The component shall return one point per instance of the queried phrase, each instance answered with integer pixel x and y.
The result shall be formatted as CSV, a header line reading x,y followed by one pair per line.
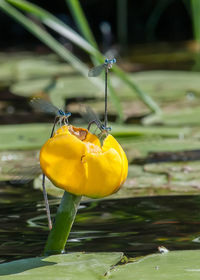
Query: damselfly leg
x,y
60,117
91,117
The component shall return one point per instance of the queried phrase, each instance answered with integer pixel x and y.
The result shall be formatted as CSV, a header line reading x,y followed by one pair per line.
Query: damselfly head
x,y
109,62
68,114
106,128
97,70
61,113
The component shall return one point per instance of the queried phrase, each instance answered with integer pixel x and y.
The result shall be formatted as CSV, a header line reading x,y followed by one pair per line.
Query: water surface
x,y
136,226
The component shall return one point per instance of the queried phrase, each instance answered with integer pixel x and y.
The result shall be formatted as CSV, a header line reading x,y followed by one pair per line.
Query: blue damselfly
x,y
96,71
61,117
91,118
45,106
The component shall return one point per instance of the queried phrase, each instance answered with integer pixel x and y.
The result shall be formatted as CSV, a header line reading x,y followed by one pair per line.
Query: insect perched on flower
x,y
96,71
45,106
74,160
91,118
60,117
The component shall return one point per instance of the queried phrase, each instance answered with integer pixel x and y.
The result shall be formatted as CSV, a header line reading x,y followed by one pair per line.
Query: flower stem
x,y
63,222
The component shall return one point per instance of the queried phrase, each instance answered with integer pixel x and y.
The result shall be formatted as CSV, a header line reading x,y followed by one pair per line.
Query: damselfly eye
x,y
68,114
106,60
114,60
61,113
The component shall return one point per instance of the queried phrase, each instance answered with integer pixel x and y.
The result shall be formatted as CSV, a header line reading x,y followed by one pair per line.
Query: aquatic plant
x,y
74,160
87,45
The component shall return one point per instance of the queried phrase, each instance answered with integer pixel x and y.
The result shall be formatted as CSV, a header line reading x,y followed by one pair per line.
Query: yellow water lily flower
x,y
74,160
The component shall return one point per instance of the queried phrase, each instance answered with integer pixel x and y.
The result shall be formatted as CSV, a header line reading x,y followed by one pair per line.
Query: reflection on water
x,y
136,226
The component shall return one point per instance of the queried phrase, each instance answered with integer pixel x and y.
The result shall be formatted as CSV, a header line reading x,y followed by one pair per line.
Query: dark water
x,y
136,226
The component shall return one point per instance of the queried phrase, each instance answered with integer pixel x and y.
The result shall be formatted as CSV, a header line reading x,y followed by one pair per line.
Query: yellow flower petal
x,y
74,160
103,173
111,142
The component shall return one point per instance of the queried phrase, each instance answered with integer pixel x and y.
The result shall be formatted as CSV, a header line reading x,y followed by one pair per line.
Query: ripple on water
x,y
136,226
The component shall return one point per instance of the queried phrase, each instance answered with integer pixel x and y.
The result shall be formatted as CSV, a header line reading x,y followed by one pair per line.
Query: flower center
x,y
79,133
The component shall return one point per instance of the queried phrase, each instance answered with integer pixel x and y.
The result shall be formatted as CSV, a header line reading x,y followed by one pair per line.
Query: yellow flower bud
x,y
74,160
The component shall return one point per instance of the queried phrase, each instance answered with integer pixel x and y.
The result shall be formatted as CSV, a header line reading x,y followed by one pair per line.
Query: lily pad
x,y
33,136
66,87
170,265
24,65
61,267
167,266
19,165
167,86
24,136
185,116
138,149
161,179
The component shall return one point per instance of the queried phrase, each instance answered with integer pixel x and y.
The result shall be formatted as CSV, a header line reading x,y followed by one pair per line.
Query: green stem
x,y
63,222
195,9
81,21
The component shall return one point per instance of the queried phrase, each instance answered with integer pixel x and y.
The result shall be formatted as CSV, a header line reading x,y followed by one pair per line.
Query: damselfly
x,y
96,71
45,106
62,118
91,117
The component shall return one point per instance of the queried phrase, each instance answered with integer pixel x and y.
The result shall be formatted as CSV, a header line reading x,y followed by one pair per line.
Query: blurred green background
x,y
153,104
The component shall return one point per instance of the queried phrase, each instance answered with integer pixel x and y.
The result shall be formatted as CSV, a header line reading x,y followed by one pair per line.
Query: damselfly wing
x,y
97,70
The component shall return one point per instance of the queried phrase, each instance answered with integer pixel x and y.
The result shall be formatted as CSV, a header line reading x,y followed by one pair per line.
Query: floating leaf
x,y
24,136
33,136
173,265
61,267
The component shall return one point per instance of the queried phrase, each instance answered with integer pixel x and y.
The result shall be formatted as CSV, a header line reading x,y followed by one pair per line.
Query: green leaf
x,y
139,148
175,265
81,21
33,136
47,39
19,165
61,267
24,136
71,87
167,86
195,10
187,116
